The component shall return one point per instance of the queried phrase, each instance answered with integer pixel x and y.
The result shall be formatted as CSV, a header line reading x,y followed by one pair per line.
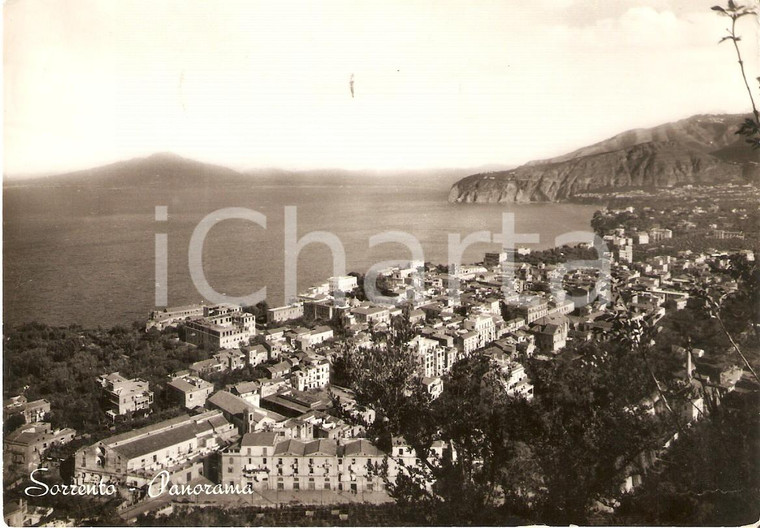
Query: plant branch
x,y
735,40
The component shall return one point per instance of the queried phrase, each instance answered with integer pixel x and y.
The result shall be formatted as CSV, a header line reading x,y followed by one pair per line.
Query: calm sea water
x,y
87,256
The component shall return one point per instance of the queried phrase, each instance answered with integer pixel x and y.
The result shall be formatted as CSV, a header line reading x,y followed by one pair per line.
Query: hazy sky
x,y
437,83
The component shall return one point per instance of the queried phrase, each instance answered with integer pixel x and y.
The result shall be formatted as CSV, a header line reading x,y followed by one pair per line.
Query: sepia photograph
x,y
381,263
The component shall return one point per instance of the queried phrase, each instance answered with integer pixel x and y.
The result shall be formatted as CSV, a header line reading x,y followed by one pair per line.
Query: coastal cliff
x,y
698,150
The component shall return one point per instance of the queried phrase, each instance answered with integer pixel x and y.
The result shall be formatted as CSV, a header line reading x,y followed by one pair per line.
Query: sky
x,y
250,84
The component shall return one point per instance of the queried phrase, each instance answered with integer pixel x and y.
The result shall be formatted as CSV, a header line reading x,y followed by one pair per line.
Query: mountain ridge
x,y
701,149
168,170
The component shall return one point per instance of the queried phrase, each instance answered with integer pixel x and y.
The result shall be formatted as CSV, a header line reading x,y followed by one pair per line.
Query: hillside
x,y
698,150
158,170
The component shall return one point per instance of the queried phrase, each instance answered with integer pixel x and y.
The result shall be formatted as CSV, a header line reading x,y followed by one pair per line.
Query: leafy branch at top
x,y
750,128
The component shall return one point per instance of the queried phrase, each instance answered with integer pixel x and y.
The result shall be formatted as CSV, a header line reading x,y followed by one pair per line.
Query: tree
x,y
710,477
545,460
593,425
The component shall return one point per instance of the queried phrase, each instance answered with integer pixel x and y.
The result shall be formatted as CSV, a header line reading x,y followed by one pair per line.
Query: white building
x,y
311,373
344,283
222,326
485,327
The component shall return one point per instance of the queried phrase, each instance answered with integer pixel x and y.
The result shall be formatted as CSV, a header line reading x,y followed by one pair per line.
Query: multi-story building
x,y
467,341
266,461
551,333
624,253
122,396
641,237
222,326
25,446
371,314
434,360
484,325
323,309
231,359
530,310
307,340
346,283
178,446
311,373
250,391
656,234
32,411
191,391
239,411
257,355
722,234
171,316
285,313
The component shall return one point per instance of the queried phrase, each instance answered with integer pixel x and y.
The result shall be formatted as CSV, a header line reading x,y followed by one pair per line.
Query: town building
x,y
257,354
167,317
191,391
467,341
309,339
32,411
178,446
289,312
24,447
656,234
371,314
222,326
311,373
433,359
245,416
529,309
265,461
485,327
121,396
346,283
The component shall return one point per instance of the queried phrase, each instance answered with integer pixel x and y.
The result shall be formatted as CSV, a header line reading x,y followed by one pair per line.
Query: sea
x,y
87,256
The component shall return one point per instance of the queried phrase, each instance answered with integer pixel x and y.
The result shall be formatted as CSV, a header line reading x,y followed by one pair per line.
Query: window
x,y
296,486
229,469
264,460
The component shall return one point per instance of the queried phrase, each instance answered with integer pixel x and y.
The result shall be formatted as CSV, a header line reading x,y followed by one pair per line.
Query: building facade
x,y
121,396
177,446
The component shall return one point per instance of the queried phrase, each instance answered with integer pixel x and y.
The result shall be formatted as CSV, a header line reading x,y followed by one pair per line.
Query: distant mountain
x,y
158,170
702,149
169,171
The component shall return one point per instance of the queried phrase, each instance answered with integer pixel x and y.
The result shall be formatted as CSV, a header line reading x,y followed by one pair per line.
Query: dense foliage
x,y
61,365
